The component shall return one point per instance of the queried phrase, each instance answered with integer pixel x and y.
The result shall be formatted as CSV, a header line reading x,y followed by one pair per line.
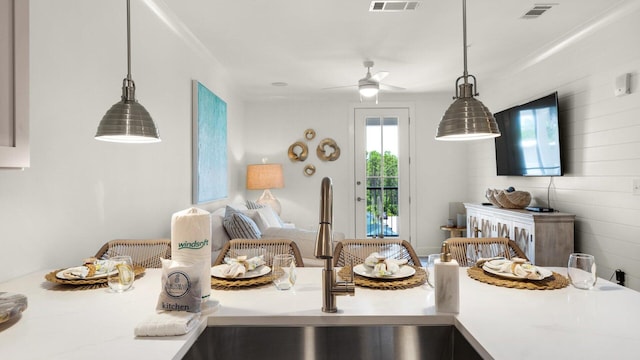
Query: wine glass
x,y
582,270
120,273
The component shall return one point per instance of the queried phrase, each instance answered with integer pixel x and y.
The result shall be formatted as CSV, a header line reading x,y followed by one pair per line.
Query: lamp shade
x,y
127,121
467,119
264,176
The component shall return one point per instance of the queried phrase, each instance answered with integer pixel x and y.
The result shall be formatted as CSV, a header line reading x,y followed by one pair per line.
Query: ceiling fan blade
x,y
390,87
339,87
379,76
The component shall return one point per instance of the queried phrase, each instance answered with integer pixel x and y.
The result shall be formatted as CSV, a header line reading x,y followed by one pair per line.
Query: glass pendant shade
x,y
369,90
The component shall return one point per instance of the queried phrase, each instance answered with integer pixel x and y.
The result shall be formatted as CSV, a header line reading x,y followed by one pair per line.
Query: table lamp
x,y
265,177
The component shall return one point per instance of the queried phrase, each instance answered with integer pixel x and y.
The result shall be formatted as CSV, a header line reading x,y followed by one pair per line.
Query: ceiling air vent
x,y
537,10
389,6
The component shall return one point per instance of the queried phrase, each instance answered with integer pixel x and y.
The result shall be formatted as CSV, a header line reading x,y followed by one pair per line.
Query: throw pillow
x,y
239,225
252,205
219,235
269,217
260,221
263,215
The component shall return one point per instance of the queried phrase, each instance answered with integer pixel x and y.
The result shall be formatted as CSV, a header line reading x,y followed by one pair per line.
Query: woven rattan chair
x,y
252,247
468,250
145,253
354,251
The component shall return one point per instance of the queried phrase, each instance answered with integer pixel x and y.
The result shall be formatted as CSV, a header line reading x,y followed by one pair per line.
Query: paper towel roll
x,y
191,242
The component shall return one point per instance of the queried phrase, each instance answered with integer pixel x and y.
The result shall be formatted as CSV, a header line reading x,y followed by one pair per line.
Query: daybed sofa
x,y
238,221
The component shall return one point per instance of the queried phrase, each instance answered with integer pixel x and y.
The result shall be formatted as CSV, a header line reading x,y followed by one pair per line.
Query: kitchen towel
x,y
191,242
168,323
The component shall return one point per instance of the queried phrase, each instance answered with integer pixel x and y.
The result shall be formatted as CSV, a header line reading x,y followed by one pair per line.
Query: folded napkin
x,y
383,266
237,267
98,267
480,262
167,323
516,266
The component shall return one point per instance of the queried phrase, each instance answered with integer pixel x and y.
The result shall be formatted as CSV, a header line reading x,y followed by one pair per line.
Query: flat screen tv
x,y
530,140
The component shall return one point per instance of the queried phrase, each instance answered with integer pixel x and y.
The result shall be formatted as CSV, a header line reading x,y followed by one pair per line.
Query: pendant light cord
x,y
128,39
464,38
128,85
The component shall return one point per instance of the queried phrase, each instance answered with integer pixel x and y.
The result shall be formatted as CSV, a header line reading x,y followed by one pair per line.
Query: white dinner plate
x,y
67,274
544,272
218,271
404,272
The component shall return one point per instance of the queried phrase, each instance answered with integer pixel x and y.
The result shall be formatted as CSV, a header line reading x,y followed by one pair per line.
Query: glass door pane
x,y
382,188
382,176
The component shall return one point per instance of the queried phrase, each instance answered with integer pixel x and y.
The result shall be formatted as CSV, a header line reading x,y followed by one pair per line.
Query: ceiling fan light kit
x,y
467,118
370,85
369,89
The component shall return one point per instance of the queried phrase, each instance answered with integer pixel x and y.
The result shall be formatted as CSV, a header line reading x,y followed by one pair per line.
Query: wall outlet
x,y
622,85
620,277
636,186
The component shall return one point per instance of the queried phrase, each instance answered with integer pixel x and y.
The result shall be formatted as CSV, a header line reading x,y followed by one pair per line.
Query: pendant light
x,y
467,118
128,121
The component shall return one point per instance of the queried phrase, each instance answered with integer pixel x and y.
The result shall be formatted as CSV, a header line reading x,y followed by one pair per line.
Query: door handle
x,y
359,198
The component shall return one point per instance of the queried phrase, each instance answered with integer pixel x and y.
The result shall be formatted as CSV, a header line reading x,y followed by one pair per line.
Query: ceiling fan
x,y
370,85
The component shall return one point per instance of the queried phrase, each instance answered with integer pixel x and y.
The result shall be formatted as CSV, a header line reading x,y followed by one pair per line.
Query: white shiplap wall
x,y
601,135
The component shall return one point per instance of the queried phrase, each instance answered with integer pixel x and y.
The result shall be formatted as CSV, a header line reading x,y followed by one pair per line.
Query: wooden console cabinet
x,y
546,238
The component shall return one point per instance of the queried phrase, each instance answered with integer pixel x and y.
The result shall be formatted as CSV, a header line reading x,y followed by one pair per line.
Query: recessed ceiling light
x,y
279,83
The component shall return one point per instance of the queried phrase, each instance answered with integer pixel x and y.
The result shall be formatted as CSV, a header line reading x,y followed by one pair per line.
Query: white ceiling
x,y
316,44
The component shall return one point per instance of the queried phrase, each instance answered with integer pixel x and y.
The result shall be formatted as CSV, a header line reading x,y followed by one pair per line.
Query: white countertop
x,y
500,322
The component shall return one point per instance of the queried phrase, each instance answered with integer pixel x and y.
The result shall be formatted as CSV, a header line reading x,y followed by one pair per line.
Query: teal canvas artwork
x,y
209,145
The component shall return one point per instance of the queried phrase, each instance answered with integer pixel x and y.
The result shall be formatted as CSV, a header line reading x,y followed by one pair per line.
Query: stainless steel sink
x,y
331,342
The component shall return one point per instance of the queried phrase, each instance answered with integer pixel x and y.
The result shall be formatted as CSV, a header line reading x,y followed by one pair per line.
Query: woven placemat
x,y
417,279
555,281
238,284
85,284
